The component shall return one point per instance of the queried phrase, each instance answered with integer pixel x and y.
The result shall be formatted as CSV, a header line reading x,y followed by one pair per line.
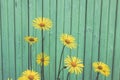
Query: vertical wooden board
x,y
1,74
82,5
74,25
89,31
32,30
5,51
59,29
46,14
11,38
67,25
111,31
1,70
35,34
52,39
116,63
95,41
74,29
1,61
24,33
116,56
18,38
103,35
38,32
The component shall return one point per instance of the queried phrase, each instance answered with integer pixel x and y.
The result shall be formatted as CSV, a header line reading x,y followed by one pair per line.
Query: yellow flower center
x,y
42,25
73,64
67,41
100,67
30,77
31,39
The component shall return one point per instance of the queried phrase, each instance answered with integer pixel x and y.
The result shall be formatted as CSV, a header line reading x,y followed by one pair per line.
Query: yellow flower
x,y
40,60
101,68
42,23
31,40
68,41
74,64
29,75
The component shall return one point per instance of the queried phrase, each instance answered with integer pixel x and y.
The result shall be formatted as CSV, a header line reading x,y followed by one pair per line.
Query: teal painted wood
x,y
103,32
11,39
24,33
88,39
82,6
46,13
5,50
32,30
59,29
116,65
38,33
111,33
96,29
89,21
53,41
18,38
67,26
74,28
38,13
0,44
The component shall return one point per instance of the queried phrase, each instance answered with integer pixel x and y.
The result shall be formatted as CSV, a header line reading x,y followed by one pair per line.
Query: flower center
x,y
73,64
42,25
42,59
67,41
31,39
100,67
30,77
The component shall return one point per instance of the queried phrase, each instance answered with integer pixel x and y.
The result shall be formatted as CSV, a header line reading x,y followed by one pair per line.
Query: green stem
x,y
68,76
97,76
62,69
60,63
30,57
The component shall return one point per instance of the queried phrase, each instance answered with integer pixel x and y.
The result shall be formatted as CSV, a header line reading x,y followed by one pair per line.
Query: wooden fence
x,y
94,23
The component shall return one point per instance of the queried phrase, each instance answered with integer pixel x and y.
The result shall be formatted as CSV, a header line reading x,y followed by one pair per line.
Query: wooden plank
x,y
82,6
53,41
103,33
46,14
11,39
111,31
38,33
18,38
24,25
5,51
95,41
88,41
1,74
59,30
32,30
74,29
67,25
1,67
116,63
1,70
